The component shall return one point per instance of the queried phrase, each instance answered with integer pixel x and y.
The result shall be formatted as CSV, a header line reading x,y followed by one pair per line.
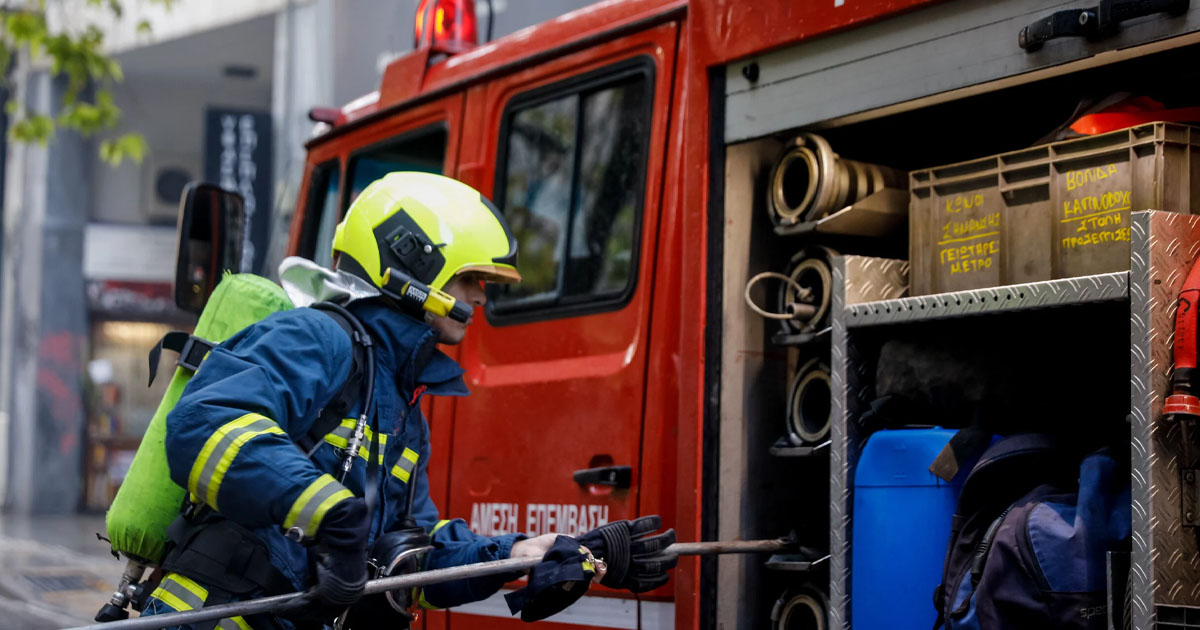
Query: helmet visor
x,y
493,273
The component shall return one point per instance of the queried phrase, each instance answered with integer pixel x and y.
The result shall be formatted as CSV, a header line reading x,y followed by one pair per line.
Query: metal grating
x,y
1178,618
1018,297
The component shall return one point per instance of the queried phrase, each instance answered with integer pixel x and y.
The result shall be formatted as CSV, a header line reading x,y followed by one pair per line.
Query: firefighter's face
x,y
468,288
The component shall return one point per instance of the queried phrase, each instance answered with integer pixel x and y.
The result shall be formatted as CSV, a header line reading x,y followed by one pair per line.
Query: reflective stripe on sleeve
x,y
408,463
204,481
421,601
312,504
233,623
180,593
424,603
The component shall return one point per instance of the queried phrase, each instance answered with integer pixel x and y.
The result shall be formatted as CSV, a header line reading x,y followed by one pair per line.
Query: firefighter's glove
x,y
633,552
341,567
562,577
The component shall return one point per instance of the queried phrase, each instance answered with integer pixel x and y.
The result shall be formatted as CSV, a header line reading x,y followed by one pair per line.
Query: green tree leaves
x,y
76,54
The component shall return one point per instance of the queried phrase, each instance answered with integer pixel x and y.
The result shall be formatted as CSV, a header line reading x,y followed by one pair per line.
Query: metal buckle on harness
x,y
295,534
190,508
185,353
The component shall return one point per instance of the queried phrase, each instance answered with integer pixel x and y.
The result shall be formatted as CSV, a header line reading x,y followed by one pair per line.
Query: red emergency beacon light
x,y
446,26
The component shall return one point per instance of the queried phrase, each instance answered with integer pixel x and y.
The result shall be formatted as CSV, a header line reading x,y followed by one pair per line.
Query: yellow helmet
x,y
427,226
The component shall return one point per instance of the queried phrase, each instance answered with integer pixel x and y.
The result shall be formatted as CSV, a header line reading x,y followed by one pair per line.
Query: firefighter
x,y
266,517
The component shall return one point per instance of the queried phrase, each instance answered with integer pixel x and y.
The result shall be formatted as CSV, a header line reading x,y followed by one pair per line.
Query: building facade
x,y
221,91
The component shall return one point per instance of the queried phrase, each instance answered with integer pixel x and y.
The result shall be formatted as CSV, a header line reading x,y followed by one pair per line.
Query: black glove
x,y
634,557
341,567
563,576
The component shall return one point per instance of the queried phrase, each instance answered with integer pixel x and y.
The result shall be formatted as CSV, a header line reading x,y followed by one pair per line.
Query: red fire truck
x,y
628,144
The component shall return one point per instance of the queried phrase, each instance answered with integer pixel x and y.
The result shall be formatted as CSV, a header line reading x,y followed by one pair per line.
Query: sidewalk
x,y
54,573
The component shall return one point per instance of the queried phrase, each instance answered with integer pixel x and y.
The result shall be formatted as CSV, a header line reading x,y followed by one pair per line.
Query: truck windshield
x,y
422,150
325,200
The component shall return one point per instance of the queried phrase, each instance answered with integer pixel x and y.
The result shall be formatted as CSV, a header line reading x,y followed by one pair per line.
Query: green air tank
x,y
148,500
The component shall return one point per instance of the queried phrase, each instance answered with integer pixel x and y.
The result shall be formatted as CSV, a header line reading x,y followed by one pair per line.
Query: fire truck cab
x,y
628,145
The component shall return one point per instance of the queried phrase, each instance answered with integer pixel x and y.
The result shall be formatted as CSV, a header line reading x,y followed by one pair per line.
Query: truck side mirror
x,y
212,229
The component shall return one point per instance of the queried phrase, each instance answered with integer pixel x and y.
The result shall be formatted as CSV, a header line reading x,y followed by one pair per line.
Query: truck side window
x,y
421,150
321,215
571,184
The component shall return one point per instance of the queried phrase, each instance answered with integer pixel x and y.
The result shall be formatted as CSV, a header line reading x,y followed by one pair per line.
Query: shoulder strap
x,y
1010,468
335,411
362,377
191,350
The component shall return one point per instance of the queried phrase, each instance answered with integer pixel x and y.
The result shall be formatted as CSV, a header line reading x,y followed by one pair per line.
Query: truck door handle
x,y
616,476
1099,21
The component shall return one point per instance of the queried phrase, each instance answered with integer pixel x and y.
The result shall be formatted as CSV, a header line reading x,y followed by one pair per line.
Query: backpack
x,y
1029,539
148,501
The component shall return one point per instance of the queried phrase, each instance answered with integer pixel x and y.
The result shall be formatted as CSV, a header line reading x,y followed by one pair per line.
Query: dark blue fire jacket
x,y
231,438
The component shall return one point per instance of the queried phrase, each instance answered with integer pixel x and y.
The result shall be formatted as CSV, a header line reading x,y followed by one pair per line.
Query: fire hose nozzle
x,y
799,310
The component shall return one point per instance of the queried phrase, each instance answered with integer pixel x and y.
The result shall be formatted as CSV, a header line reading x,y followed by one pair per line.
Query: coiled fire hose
x,y
810,404
803,300
805,608
810,181
422,578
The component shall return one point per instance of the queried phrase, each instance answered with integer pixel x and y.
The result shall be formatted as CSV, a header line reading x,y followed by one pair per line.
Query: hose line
x,y
796,309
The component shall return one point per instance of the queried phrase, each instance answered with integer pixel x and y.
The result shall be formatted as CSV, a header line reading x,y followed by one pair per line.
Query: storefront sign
x,y
141,253
133,300
237,156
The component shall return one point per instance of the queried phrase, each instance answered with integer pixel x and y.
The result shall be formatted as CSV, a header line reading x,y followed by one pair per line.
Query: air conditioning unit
x,y
163,179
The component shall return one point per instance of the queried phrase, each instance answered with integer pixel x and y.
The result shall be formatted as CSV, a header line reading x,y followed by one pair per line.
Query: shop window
x,y
120,405
571,185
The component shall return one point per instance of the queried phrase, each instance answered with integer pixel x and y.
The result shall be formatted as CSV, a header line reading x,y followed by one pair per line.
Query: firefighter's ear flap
x,y
212,231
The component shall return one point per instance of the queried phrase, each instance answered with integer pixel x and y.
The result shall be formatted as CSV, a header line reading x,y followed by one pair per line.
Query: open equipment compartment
x,y
968,117
1053,357
760,494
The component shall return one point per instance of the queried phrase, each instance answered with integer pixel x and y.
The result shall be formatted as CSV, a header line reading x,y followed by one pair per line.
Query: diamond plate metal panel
x,y
1141,579
1165,556
852,385
839,470
1016,297
872,279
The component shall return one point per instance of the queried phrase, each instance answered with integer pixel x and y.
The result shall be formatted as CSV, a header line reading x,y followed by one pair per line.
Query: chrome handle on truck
x,y
616,476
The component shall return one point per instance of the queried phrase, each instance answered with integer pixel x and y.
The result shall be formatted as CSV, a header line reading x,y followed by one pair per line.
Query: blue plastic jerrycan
x,y
902,515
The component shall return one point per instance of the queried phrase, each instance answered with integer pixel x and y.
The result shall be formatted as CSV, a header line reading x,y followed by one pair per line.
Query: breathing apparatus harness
x,y
396,552
232,561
